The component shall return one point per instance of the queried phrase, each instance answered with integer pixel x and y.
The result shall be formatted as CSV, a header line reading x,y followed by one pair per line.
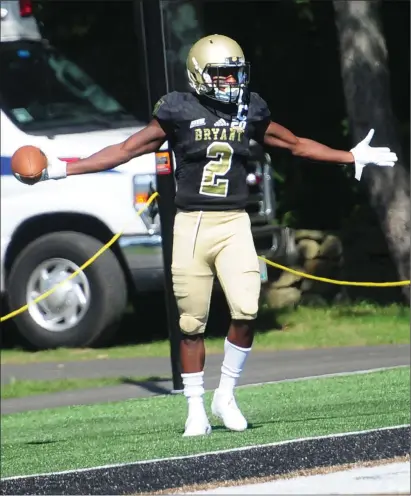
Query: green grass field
x,y
343,325
87,436
24,388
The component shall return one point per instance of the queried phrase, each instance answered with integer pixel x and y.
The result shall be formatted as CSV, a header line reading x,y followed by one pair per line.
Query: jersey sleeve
x,y
163,112
261,117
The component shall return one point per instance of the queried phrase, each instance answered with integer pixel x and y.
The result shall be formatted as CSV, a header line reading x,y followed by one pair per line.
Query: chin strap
x,y
242,105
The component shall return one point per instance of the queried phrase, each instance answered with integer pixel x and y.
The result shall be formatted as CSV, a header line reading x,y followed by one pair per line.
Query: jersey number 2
x,y
211,183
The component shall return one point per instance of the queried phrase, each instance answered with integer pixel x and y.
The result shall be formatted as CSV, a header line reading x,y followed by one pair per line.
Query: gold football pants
x,y
208,244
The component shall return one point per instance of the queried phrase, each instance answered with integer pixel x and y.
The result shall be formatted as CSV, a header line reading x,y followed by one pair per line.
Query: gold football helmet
x,y
216,67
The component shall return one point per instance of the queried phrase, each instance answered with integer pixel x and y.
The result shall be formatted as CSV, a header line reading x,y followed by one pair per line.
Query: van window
x,y
41,90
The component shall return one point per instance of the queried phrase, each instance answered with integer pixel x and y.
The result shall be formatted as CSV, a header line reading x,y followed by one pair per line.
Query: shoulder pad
x,y
258,108
168,106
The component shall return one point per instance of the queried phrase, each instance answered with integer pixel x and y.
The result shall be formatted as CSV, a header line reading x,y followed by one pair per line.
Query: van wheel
x,y
85,310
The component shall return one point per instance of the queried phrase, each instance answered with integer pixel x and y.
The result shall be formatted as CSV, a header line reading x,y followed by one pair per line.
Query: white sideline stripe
x,y
279,381
207,453
324,376
304,378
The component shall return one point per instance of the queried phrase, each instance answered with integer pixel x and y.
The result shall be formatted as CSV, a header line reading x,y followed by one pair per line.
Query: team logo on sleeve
x,y
157,106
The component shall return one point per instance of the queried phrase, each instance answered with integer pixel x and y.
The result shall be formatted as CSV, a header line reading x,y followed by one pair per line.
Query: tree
x,y
182,27
366,82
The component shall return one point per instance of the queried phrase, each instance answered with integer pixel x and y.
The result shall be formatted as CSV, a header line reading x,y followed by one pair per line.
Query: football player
x,y
209,129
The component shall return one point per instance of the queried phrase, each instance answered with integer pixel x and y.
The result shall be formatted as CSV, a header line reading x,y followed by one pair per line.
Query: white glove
x,y
56,169
366,155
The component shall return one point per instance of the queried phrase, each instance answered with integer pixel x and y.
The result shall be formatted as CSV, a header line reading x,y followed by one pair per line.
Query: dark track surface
x,y
218,467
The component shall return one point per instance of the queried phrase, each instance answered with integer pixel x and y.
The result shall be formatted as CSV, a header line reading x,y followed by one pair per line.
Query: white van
x,y
49,230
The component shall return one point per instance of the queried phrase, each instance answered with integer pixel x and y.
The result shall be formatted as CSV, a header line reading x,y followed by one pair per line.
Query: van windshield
x,y
41,90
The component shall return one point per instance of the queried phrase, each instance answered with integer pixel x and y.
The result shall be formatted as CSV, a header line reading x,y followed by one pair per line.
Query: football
x,y
28,164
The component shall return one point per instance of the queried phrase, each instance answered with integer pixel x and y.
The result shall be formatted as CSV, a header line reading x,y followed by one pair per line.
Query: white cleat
x,y
225,408
197,425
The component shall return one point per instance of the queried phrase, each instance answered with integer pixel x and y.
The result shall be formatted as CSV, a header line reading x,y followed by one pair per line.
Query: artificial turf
x,y
148,428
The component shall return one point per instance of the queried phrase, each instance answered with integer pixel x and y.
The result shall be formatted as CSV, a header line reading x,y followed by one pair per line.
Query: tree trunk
x,y
183,26
364,67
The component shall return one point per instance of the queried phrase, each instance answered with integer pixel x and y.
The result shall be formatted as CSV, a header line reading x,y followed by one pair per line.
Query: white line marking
x,y
295,379
208,453
324,376
279,381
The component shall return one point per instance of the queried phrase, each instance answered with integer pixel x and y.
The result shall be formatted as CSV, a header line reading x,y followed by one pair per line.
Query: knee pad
x,y
191,325
245,305
247,310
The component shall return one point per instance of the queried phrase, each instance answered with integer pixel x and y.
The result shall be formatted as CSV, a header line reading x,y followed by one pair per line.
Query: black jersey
x,y
211,148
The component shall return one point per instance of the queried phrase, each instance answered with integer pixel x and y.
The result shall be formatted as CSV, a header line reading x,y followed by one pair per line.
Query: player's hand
x,y
367,155
56,169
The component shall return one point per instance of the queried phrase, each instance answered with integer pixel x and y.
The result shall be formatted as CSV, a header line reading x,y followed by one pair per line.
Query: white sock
x,y
233,364
194,391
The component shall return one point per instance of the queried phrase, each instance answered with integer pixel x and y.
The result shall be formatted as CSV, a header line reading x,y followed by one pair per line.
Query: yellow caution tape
x,y
268,262
74,274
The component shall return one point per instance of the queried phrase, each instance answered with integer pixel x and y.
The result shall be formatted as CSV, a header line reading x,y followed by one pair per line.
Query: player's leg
x,y
192,283
238,271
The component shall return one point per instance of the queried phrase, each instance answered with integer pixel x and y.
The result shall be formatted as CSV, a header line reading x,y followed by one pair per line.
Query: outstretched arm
x,y
280,137
361,155
147,140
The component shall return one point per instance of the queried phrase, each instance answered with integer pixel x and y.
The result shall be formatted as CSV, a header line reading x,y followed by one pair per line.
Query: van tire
x,y
106,283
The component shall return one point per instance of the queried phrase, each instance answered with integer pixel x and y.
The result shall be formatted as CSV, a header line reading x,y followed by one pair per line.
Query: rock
x,y
313,300
287,279
341,298
331,247
308,234
306,285
308,249
321,268
283,297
